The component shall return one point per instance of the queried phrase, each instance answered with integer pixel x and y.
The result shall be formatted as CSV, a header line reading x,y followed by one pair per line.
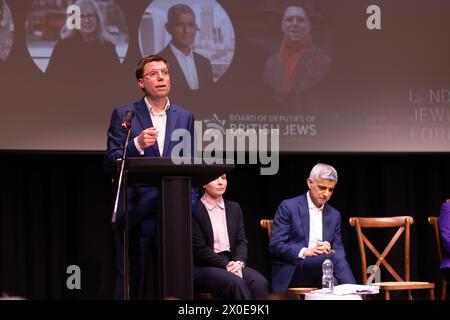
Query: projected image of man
x,y
151,131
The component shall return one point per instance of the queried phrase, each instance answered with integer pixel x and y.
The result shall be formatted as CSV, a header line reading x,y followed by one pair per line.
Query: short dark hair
x,y
177,9
141,64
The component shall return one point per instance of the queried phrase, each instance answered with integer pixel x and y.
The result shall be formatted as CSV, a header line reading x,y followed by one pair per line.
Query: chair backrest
x,y
266,224
402,223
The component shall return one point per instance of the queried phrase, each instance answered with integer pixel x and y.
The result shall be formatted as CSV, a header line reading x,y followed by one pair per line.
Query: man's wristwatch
x,y
241,263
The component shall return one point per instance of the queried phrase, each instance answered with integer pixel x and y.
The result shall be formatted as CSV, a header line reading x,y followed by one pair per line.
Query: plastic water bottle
x,y
327,276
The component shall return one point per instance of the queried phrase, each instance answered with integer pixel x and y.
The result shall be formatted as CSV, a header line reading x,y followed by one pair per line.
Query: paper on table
x,y
344,289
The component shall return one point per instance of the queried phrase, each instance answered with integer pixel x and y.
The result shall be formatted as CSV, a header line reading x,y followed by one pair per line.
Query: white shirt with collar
x,y
159,121
315,225
187,64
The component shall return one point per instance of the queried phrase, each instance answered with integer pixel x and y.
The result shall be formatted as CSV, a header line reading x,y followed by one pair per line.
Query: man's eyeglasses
x,y
153,74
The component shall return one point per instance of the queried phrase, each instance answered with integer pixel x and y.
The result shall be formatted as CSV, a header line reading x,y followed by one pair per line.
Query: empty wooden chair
x,y
402,224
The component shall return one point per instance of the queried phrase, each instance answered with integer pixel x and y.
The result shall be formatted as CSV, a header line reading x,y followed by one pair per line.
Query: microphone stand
x,y
126,281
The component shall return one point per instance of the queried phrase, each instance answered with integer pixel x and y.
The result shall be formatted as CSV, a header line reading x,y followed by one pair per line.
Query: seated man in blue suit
x,y
305,232
156,118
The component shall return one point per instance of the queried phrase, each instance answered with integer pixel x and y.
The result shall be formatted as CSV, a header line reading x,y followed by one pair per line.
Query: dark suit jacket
x,y
203,238
290,233
180,88
142,200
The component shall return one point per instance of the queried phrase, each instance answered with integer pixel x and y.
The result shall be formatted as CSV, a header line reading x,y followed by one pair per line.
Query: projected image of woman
x,y
299,64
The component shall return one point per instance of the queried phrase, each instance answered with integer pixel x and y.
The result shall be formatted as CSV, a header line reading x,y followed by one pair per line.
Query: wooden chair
x,y
434,222
403,224
297,292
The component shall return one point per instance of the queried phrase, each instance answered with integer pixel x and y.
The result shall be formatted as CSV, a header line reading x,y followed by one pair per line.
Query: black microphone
x,y
129,115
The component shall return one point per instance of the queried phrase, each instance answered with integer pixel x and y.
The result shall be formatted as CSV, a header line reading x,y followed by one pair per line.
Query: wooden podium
x,y
174,182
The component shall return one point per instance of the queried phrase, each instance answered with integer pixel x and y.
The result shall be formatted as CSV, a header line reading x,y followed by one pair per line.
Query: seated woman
x,y
444,229
220,248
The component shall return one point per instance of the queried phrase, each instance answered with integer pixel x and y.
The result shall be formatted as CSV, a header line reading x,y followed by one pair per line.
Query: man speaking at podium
x,y
154,121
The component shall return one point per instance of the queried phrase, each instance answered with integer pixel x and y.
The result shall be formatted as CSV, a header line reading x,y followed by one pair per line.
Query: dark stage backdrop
x,y
56,209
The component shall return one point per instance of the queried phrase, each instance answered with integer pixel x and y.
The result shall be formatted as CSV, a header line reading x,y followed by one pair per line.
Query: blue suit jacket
x,y
290,233
142,200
